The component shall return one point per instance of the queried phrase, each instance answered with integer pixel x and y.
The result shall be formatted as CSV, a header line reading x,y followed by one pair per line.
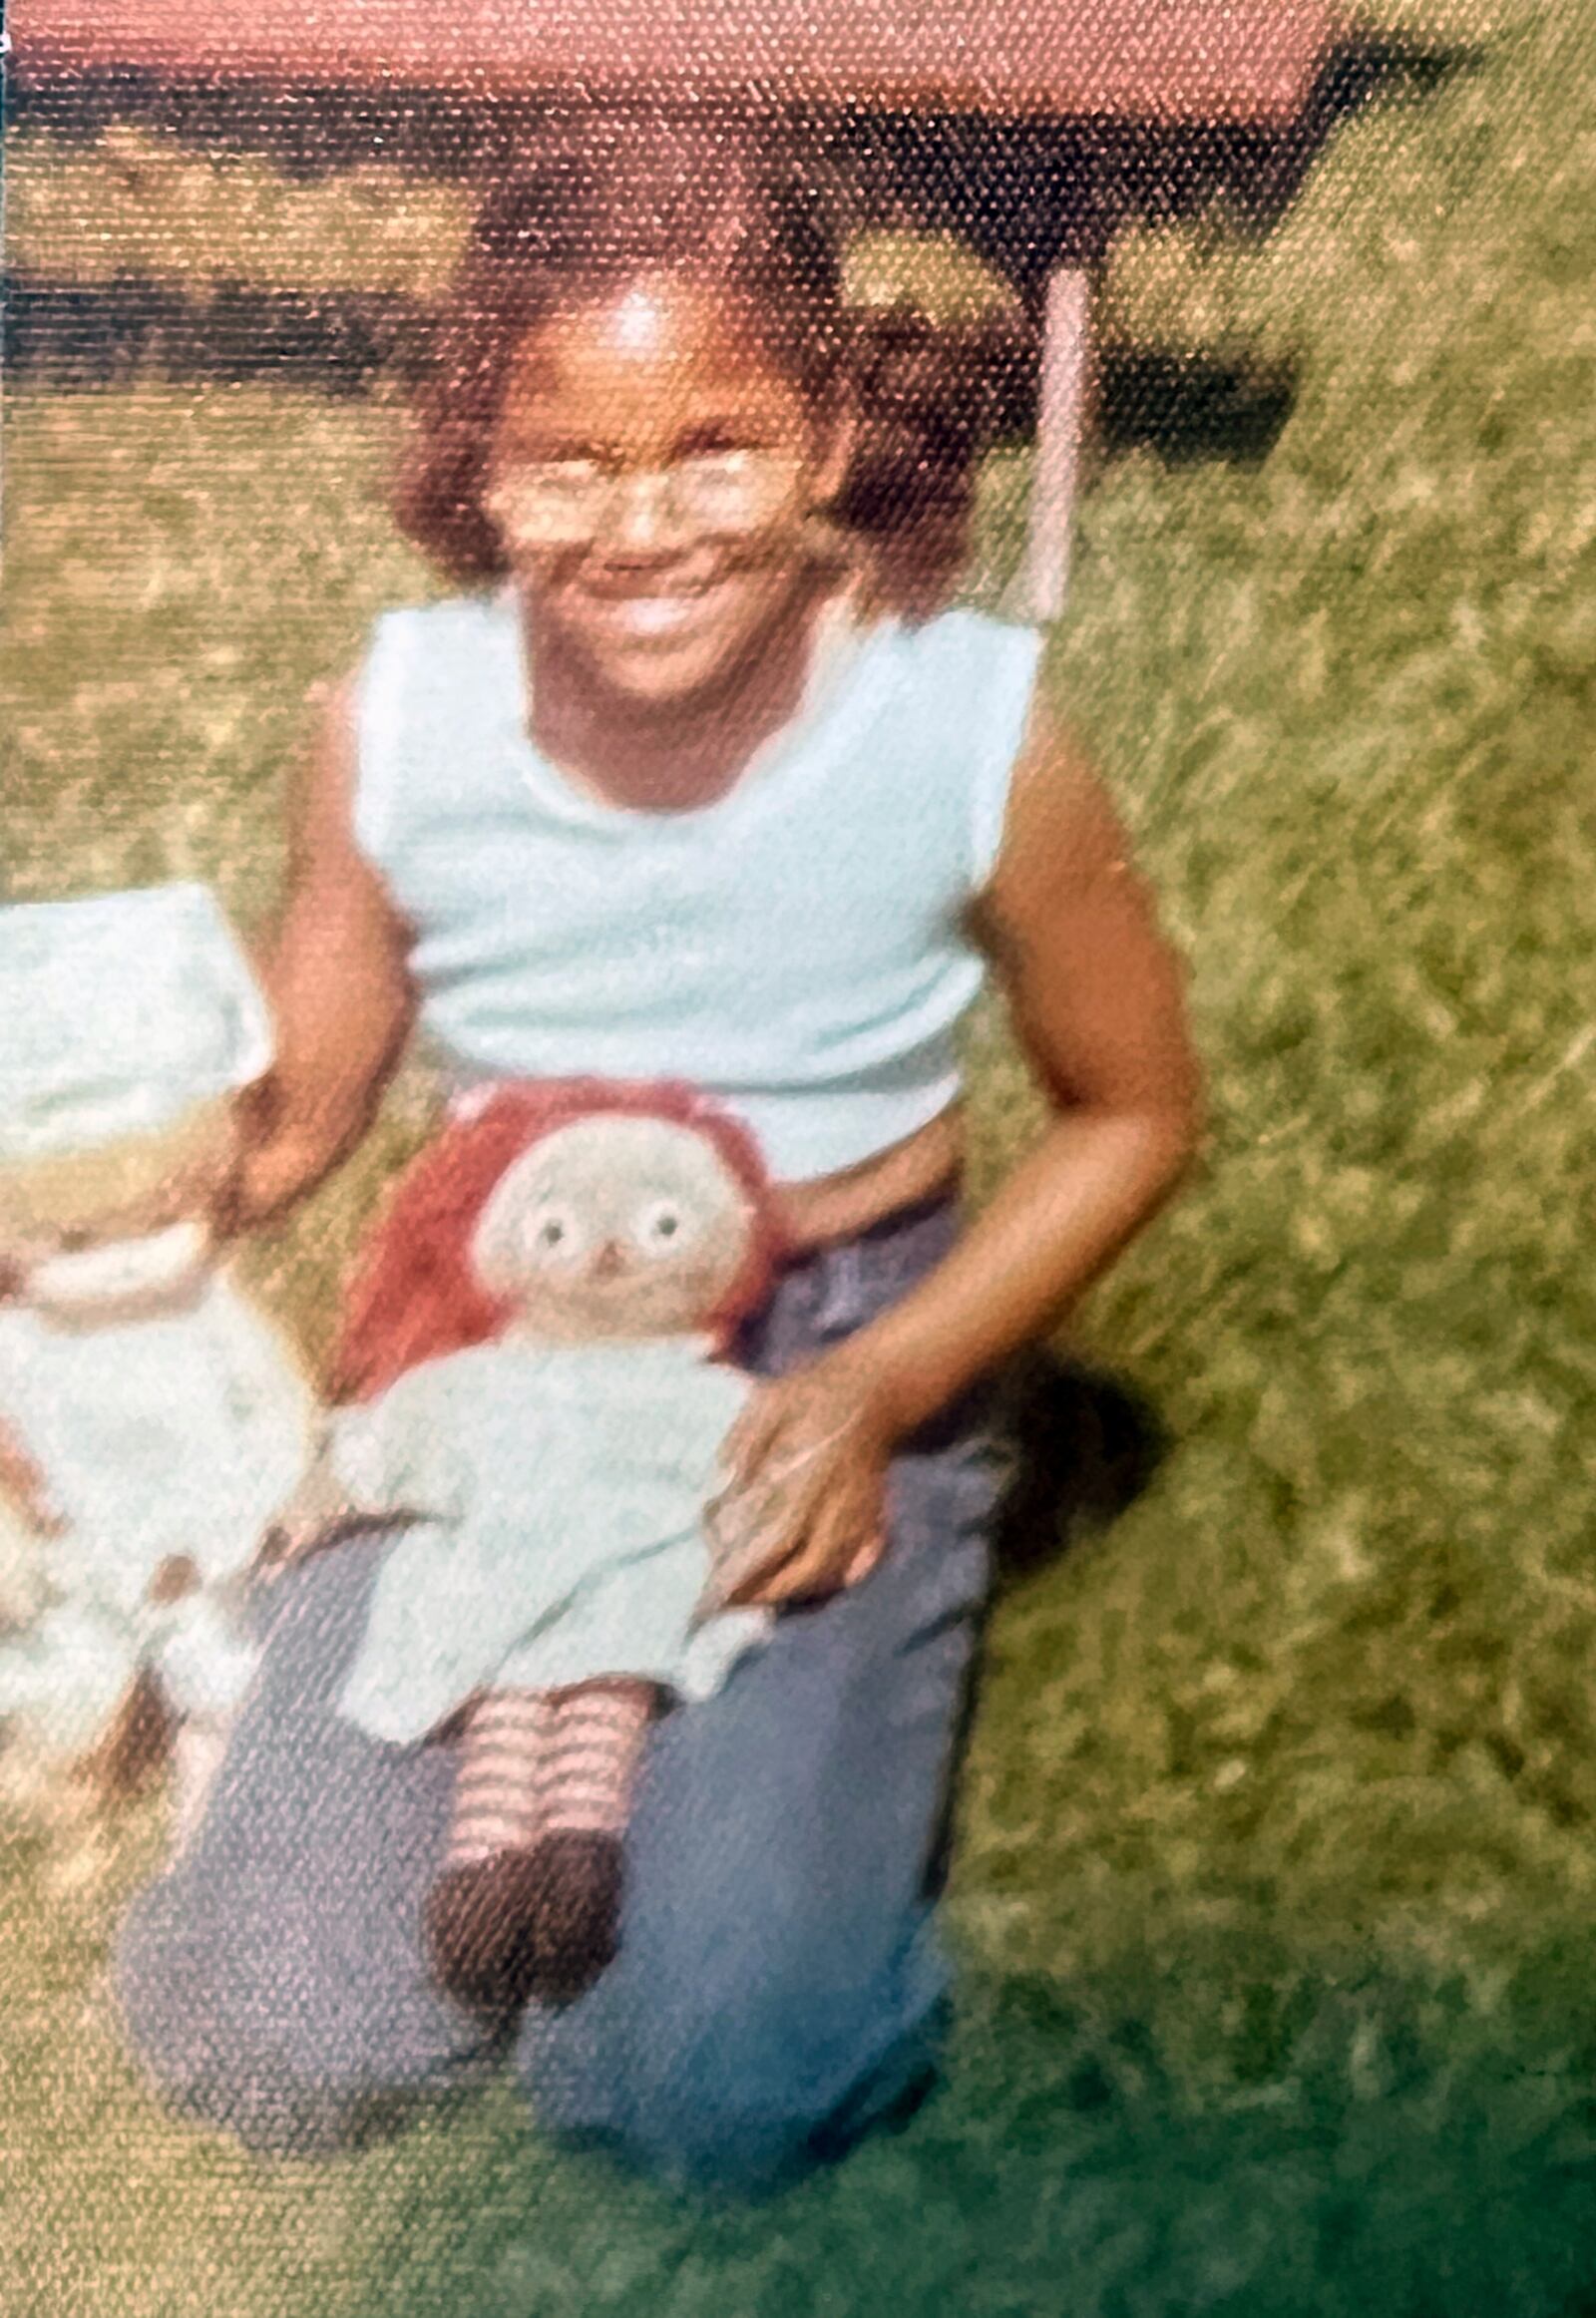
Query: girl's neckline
x,y
841,641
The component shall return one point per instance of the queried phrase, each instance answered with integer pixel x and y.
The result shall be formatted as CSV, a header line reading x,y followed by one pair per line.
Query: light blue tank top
x,y
797,948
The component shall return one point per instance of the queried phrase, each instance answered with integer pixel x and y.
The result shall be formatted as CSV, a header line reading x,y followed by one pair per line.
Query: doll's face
x,y
100,1229
615,1227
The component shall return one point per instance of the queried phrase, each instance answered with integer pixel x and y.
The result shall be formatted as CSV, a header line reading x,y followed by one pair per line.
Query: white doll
x,y
543,1317
167,1417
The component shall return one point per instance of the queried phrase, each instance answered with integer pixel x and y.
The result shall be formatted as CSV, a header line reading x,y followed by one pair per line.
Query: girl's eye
x,y
662,1226
716,483
736,484
721,465
552,493
568,479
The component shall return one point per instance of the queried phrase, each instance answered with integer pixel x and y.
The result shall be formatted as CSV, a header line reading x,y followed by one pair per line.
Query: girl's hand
x,y
804,1512
273,1164
268,1180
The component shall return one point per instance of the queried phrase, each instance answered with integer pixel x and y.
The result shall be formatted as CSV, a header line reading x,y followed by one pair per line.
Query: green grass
x,y
138,200
1276,1876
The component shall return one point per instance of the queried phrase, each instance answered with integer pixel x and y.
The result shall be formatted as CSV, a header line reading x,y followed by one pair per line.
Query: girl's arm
x,y
336,981
1097,1001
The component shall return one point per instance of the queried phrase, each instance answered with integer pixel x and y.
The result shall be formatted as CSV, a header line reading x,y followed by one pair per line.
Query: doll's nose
x,y
609,1261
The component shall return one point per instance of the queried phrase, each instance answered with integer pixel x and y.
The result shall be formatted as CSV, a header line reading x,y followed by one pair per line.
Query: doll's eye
x,y
661,1226
553,1235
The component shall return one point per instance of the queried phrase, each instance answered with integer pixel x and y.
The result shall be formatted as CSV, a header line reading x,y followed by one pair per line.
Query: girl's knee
x,y
202,2046
239,2040
736,2085
691,2131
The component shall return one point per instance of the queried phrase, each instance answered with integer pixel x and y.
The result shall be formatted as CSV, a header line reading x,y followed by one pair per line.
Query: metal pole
x,y
1060,426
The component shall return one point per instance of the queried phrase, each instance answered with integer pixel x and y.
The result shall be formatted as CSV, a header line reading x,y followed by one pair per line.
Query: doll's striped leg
x,y
499,1777
529,1897
598,1734
479,1922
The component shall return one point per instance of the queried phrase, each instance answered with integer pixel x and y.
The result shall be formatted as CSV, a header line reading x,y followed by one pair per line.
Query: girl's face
x,y
649,474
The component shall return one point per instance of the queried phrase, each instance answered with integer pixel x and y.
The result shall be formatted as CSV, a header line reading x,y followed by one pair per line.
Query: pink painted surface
x,y
1159,60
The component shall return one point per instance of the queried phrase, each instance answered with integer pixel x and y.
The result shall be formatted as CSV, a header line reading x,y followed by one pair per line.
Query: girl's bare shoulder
x,y
1061,827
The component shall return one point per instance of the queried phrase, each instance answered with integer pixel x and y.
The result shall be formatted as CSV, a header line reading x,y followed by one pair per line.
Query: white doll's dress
x,y
180,1434
557,1495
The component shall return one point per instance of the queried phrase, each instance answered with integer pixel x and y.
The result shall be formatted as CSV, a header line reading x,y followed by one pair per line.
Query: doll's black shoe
x,y
479,1931
577,1912
526,1926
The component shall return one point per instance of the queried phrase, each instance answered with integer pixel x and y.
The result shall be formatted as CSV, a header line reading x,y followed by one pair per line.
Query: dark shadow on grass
x,y
89,334
85,335
1192,406
1228,2123
1087,1446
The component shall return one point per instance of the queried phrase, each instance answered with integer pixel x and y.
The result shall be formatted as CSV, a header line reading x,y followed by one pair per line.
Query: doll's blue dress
x,y
556,1497
173,1436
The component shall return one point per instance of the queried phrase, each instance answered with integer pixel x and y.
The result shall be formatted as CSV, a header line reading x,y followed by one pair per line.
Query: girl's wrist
x,y
275,1174
894,1391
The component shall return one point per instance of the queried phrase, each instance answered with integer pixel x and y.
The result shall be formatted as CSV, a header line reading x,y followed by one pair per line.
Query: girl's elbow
x,y
1170,1137
1189,1123
1182,1130
1180,1160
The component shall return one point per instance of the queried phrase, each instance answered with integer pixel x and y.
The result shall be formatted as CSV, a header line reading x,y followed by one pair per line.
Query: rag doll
x,y
537,1341
157,1408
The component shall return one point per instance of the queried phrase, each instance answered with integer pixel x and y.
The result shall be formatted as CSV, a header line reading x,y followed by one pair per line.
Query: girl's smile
x,y
650,475
658,612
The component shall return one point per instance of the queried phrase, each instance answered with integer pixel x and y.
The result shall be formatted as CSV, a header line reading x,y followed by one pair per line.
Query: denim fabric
x,y
780,1984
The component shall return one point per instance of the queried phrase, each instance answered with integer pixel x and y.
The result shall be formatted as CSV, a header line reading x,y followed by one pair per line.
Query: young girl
x,y
689,778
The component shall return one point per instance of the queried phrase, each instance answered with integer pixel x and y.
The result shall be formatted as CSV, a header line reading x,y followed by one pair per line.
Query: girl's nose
x,y
642,513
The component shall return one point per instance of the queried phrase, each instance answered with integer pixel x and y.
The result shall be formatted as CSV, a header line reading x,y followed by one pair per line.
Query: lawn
x,y
1276,1875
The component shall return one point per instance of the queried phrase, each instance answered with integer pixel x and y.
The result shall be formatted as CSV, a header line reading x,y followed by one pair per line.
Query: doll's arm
x,y
349,1479
319,1502
24,1591
386,1463
25,1487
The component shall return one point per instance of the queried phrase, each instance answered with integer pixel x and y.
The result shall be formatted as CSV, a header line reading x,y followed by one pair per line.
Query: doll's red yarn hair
x,y
414,1295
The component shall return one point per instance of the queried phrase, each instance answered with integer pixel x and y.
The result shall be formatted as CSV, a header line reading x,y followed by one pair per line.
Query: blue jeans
x,y
779,1986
